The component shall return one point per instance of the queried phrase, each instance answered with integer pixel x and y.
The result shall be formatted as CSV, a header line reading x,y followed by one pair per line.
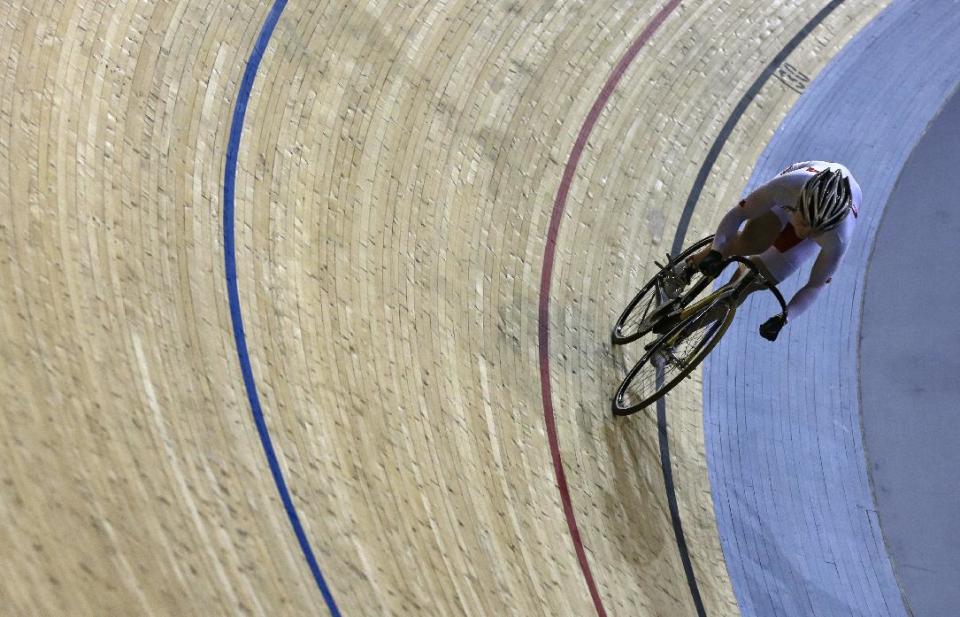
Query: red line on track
x,y
546,276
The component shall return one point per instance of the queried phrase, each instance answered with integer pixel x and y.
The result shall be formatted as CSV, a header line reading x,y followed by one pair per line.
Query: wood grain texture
x,y
395,181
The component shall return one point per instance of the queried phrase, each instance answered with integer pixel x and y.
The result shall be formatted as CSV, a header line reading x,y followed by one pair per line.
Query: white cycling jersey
x,y
789,251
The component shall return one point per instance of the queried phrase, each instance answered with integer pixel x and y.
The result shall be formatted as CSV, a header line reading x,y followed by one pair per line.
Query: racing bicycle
x,y
679,326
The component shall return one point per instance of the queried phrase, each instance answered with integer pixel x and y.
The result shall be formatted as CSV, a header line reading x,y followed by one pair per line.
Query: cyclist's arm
x,y
802,300
823,268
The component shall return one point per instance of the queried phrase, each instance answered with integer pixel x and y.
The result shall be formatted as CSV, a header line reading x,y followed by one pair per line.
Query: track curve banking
x,y
304,307
799,522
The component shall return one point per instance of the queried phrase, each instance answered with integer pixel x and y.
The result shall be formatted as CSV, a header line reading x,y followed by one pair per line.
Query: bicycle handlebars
x,y
769,285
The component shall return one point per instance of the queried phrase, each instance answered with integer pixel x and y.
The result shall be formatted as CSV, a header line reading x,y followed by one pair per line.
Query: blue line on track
x,y
230,266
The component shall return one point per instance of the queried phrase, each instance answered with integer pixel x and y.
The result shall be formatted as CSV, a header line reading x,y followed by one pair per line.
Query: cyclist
x,y
801,212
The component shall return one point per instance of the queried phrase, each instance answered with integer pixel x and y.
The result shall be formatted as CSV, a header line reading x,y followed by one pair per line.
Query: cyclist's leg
x,y
755,237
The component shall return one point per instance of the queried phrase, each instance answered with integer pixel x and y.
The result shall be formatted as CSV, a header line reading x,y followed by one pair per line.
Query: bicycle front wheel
x,y
672,357
641,312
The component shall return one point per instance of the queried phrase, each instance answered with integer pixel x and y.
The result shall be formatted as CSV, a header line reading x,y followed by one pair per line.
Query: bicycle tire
x,y
628,326
716,329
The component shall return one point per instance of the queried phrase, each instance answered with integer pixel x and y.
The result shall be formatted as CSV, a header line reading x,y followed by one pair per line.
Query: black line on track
x,y
678,240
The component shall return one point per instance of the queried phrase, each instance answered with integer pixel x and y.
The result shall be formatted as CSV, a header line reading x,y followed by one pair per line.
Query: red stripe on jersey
x,y
787,239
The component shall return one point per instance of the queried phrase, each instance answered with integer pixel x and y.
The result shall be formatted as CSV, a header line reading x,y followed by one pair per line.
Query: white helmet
x,y
826,199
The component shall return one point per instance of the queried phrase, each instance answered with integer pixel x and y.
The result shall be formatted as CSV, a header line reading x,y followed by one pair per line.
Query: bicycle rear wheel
x,y
640,314
673,356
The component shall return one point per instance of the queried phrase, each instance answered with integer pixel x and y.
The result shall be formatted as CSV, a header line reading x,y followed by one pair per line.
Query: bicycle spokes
x,y
668,360
642,320
667,289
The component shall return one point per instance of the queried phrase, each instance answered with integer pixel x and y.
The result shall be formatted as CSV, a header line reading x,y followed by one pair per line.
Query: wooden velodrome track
x,y
438,209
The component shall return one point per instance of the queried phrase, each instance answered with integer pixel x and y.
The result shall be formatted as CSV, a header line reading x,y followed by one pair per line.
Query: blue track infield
x,y
908,371
796,515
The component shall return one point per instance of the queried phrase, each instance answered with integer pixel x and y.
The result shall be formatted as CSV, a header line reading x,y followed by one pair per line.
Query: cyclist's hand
x,y
712,264
771,327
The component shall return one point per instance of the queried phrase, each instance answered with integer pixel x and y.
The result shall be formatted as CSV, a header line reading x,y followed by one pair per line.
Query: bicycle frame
x,y
738,288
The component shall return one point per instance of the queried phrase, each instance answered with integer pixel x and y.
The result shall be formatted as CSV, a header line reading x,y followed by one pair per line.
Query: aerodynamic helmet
x,y
825,199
